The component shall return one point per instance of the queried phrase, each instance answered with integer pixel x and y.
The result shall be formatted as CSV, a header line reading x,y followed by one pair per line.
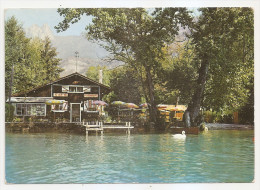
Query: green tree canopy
x,y
134,36
34,60
93,73
223,40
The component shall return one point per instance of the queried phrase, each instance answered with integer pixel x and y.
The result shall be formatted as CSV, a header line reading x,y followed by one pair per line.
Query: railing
x,y
90,124
99,126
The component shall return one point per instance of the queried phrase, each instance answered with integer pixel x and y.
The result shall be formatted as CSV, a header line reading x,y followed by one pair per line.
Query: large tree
x,y
50,62
178,74
16,45
134,36
34,61
125,85
224,41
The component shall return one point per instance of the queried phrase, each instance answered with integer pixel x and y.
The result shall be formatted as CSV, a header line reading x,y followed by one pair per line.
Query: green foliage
x,y
93,73
16,45
226,36
49,61
34,60
178,75
218,116
246,112
134,36
125,85
216,64
9,112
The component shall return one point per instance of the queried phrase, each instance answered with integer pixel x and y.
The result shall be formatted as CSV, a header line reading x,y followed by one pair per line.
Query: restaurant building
x,y
68,99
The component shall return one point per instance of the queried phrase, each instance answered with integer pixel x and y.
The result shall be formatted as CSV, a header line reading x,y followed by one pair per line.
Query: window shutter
x,y
86,89
65,106
85,105
65,88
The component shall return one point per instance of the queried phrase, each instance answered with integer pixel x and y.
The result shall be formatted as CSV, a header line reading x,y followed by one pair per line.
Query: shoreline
x,y
223,126
79,129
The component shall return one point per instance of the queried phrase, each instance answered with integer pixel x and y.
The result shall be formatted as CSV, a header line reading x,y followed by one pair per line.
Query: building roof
x,y
62,78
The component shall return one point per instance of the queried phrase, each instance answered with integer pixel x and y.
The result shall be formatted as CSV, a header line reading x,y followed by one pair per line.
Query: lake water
x,y
213,156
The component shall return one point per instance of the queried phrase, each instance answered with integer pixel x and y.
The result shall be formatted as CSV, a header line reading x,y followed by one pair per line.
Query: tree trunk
x,y
192,112
152,107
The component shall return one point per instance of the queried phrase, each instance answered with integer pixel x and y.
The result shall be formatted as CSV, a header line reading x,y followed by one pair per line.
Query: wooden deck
x,y
99,127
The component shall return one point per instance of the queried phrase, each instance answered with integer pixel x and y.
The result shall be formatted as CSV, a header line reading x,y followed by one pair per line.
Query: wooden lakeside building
x,y
67,100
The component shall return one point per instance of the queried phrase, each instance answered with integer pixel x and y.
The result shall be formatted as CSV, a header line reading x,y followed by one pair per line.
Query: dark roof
x,y
62,78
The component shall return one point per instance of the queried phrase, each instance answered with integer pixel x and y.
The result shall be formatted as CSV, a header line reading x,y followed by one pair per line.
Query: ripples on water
x,y
215,156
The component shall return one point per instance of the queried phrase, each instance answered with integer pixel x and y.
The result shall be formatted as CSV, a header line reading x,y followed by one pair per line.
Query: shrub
x,y
9,112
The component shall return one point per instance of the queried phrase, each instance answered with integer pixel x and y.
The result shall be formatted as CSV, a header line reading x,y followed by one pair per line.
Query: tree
x,y
223,40
93,73
16,45
34,61
125,85
50,62
134,36
178,74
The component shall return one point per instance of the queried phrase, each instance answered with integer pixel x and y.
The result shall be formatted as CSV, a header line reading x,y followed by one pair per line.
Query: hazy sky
x,y
28,17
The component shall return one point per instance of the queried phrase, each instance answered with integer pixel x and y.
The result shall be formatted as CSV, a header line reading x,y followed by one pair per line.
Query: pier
x,y
100,126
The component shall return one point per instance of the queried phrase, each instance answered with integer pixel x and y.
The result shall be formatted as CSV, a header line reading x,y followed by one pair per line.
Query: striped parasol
x,y
144,105
131,105
118,103
100,103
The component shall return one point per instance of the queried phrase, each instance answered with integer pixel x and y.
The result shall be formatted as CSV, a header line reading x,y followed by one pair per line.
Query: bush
x,y
218,117
9,112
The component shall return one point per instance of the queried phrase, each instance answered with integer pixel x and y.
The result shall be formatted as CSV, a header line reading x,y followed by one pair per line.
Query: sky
x,y
28,17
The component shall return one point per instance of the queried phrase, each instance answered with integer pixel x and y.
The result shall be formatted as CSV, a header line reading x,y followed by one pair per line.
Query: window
x,y
89,106
80,89
65,88
72,89
30,109
75,89
59,107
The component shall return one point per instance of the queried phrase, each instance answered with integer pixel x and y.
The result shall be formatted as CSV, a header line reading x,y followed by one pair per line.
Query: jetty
x,y
100,126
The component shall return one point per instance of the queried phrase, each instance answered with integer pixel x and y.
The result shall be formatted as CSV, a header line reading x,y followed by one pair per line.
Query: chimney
x,y
101,76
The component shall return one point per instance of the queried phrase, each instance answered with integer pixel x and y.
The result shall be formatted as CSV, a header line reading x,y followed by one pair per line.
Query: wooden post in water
x,y
101,125
87,129
129,124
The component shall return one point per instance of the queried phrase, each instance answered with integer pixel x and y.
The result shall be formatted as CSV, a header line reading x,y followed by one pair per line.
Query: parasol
x,y
131,105
118,103
52,102
144,105
100,103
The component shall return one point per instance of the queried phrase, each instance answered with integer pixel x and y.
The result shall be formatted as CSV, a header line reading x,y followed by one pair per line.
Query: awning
x,y
29,99
52,102
171,107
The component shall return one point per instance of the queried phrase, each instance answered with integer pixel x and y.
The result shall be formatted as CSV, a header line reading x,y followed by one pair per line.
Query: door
x,y
75,112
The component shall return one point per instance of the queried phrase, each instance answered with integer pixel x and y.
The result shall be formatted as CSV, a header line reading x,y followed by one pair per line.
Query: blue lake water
x,y
213,156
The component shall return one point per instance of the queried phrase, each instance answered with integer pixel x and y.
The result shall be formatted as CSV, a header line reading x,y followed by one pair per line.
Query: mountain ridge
x,y
90,54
